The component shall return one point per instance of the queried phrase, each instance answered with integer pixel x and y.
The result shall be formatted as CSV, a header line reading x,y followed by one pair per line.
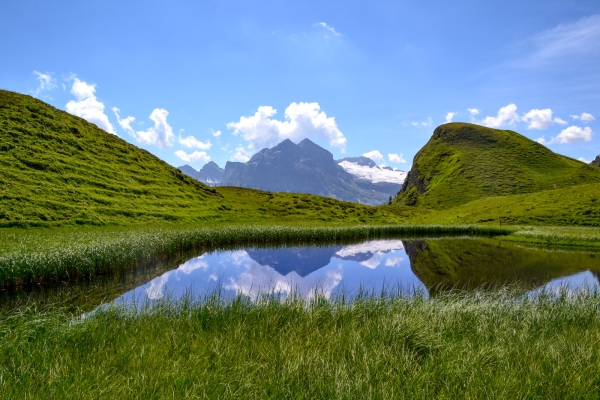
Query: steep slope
x,y
596,162
303,168
210,173
58,167
464,162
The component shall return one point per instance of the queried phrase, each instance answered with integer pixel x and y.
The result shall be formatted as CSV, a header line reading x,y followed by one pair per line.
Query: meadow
x,y
490,344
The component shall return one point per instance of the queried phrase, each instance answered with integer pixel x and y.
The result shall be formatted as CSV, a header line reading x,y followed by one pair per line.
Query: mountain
x,y
465,162
369,176
596,162
303,168
210,173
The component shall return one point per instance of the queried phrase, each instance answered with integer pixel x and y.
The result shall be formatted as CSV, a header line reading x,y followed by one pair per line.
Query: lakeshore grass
x,y
486,344
41,257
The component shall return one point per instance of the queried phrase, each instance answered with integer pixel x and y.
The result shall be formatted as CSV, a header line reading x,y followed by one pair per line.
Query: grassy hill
x,y
465,162
58,169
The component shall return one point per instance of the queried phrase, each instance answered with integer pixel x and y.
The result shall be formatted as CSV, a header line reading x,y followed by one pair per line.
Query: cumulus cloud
x,y
302,120
575,134
329,28
197,156
541,119
584,160
191,142
506,116
473,111
125,123
570,135
397,159
374,155
161,134
449,117
584,117
215,134
87,105
240,154
47,82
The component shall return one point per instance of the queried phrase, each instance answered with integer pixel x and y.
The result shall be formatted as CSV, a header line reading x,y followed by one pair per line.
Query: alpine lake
x,y
380,267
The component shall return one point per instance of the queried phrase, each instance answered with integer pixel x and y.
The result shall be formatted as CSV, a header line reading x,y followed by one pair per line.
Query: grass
x,y
465,162
43,257
573,206
456,345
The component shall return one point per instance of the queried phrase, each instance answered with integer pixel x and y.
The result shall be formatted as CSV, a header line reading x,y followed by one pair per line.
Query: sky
x,y
199,81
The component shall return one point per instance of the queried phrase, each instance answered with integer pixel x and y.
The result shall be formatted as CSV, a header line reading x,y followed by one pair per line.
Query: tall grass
x,y
456,345
73,254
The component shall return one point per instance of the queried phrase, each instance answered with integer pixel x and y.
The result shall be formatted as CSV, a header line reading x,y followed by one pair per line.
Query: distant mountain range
x,y
306,168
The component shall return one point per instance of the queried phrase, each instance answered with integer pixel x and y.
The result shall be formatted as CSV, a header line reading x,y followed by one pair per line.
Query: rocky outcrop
x,y
596,162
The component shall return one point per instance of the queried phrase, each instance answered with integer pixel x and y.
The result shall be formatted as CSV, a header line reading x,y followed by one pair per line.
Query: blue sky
x,y
355,77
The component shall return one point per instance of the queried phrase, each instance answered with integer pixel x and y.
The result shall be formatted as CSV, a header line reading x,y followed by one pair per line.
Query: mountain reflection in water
x,y
429,266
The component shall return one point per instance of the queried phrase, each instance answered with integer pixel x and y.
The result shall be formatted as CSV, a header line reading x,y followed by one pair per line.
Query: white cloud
x,y
191,142
506,116
584,160
449,117
574,134
584,117
329,28
240,155
393,261
302,120
560,121
197,156
87,105
570,135
125,123
47,82
397,159
374,155
426,123
215,134
161,134
541,119
473,111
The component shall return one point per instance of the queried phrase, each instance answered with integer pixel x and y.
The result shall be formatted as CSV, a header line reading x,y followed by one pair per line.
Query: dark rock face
x,y
210,173
302,260
302,168
596,162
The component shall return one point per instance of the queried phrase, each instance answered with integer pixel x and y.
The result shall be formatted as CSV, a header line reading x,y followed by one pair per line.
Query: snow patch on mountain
x,y
374,174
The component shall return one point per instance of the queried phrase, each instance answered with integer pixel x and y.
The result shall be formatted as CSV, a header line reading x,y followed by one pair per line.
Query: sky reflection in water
x,y
372,266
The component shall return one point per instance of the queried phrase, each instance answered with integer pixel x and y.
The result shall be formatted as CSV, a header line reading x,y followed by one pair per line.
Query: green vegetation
x,y
453,263
30,257
478,345
465,162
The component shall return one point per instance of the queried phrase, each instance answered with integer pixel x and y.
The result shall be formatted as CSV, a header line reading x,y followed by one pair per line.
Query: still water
x,y
408,266
427,266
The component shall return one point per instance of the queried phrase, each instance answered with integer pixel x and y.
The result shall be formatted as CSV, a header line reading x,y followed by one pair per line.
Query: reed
x,y
38,257
485,344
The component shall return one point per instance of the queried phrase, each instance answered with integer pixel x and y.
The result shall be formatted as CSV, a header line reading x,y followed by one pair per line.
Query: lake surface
x,y
408,266
427,266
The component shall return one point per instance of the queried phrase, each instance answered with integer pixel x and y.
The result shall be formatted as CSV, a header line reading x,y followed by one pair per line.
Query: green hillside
x,y
465,162
58,169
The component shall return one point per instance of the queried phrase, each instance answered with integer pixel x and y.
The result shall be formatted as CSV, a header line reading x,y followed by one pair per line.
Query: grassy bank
x,y
478,345
46,256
